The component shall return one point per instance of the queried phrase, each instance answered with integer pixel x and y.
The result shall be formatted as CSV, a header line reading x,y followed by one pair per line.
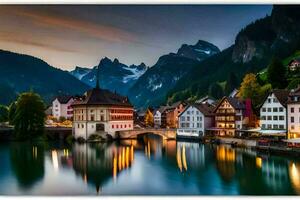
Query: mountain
x,y
151,88
21,73
113,75
275,35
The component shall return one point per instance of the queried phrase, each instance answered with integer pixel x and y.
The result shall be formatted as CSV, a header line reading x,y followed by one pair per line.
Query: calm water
x,y
146,166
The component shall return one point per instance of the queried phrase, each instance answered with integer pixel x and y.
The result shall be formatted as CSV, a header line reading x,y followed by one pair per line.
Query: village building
x,y
294,64
273,113
194,120
172,112
230,117
206,99
158,116
293,109
61,107
101,112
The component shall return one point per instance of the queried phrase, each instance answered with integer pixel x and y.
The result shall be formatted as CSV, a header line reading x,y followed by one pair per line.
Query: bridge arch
x,y
132,134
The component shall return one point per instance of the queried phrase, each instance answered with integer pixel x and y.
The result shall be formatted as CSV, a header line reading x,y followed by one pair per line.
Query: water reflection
x,y
149,165
27,162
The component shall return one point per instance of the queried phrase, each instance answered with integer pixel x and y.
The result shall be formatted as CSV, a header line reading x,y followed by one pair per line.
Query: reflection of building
x,y
226,158
194,120
61,107
293,110
190,155
103,112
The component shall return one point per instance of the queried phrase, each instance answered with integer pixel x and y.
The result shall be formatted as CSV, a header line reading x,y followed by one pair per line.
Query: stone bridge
x,y
132,134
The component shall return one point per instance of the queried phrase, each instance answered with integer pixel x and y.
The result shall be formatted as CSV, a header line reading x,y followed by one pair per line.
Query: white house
x,y
194,120
157,115
293,107
273,112
61,107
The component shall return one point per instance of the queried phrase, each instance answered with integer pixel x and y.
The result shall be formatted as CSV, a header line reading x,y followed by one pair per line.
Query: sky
x,y
66,36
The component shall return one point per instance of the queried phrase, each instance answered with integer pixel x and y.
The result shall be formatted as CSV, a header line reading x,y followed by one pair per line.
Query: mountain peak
x,y
200,51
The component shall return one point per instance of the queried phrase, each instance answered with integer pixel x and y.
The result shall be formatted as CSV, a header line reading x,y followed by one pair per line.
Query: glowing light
x,y
34,152
258,162
115,168
184,158
294,173
120,162
149,150
127,157
225,154
55,160
131,153
123,157
178,156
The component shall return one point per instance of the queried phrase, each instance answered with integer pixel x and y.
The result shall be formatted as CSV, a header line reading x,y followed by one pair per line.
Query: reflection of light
x,y
115,168
123,157
294,172
120,162
34,152
85,178
225,154
131,153
258,162
127,157
178,156
55,160
184,158
66,152
149,149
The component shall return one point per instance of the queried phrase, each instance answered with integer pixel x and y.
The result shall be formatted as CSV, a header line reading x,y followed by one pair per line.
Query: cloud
x,y
60,22
7,37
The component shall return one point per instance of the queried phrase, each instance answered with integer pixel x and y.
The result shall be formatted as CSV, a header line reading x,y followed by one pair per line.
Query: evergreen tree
x,y
277,74
3,113
11,112
29,116
231,83
216,91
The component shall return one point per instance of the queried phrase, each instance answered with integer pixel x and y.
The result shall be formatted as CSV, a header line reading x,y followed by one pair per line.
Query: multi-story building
x,y
194,120
293,110
61,107
157,114
101,112
229,117
172,112
273,112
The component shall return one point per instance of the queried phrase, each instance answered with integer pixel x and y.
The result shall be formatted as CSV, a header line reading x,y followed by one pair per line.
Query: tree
x,y
29,116
149,120
251,89
11,112
276,74
216,91
231,83
3,113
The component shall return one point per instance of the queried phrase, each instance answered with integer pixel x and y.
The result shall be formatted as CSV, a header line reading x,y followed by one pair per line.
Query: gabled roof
x,y
98,96
63,99
161,109
280,94
234,102
176,104
204,108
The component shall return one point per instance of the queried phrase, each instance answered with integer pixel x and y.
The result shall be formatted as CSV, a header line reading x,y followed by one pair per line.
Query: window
x,y
129,125
112,126
78,126
197,112
182,118
269,100
292,109
187,118
263,126
275,100
275,109
292,127
269,117
82,125
263,117
269,110
92,111
92,117
198,125
121,126
188,112
280,109
281,126
101,118
125,126
275,117
117,126
275,126
281,117
198,118
269,126
182,125
264,109
292,119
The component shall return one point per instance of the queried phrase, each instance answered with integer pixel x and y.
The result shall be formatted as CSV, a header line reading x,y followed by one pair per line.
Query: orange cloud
x,y
55,21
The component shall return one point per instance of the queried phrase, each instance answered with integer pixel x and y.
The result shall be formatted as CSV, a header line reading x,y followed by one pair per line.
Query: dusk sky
x,y
69,36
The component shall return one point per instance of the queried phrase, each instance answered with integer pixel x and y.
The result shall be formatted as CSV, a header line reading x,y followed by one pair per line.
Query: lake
x,y
147,166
